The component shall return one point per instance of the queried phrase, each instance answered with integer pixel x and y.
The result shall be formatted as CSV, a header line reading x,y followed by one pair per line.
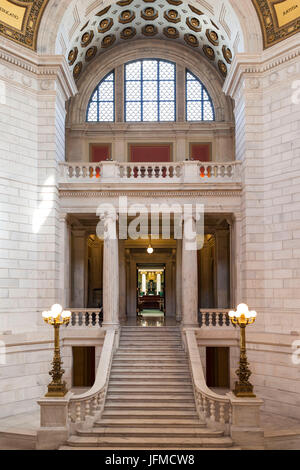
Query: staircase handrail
x,y
90,404
213,408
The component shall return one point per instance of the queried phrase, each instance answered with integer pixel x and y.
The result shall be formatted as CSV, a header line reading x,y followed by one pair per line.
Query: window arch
x,y
150,91
101,107
199,105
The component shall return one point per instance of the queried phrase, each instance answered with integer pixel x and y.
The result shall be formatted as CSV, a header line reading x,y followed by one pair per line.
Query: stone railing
x,y
86,317
85,408
213,409
187,172
213,317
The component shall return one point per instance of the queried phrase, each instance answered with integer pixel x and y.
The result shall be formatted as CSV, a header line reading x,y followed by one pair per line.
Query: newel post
x,y
245,425
54,422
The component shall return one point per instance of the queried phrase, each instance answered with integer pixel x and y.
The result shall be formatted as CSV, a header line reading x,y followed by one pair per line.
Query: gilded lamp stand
x,y
242,317
56,317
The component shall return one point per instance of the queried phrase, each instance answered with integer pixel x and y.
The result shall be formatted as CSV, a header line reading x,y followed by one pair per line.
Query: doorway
x,y
217,367
150,298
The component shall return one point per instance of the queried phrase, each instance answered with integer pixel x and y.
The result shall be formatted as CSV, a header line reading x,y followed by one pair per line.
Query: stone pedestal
x,y
54,430
245,428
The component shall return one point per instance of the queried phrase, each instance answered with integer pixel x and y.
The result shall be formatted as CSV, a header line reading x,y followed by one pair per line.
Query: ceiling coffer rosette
x,y
171,20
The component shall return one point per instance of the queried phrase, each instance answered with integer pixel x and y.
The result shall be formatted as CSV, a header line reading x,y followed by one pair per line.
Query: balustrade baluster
x,y
222,413
78,412
212,410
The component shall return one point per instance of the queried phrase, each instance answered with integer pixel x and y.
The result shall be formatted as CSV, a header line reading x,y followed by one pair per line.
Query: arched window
x,y
101,107
199,106
150,90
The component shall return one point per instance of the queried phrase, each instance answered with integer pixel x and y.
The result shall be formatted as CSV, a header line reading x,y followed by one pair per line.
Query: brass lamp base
x,y
244,390
57,390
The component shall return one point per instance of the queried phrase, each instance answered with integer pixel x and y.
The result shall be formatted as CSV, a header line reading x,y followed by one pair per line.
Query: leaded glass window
x,y
199,106
101,107
150,90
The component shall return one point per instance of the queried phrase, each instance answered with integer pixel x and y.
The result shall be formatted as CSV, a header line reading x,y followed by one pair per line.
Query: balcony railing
x,y
186,172
86,317
213,317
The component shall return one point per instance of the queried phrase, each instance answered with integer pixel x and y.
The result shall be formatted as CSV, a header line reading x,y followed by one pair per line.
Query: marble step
x,y
151,350
149,405
136,397
150,389
149,422
146,366
120,374
142,362
149,414
149,355
154,431
140,329
142,442
172,384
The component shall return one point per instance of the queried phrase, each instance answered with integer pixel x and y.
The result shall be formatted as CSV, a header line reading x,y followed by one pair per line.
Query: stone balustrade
x,y
86,407
211,317
85,317
213,409
186,172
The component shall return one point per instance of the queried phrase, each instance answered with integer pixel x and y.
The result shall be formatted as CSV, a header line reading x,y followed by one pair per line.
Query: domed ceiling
x,y
169,19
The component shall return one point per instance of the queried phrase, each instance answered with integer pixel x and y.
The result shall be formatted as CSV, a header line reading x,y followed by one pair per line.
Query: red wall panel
x,y
201,152
150,153
99,152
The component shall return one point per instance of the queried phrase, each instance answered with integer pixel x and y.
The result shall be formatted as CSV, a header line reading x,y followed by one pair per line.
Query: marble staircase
x,y
150,401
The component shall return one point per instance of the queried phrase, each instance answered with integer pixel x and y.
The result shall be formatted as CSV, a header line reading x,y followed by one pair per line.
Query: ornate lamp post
x,y
56,317
242,317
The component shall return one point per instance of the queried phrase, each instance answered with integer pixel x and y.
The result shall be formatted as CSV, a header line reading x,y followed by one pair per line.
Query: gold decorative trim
x,y
87,38
191,40
102,12
194,24
227,54
195,10
105,25
72,56
149,13
171,32
222,67
108,40
126,16
279,19
21,26
172,16
90,53
213,37
209,52
149,30
128,33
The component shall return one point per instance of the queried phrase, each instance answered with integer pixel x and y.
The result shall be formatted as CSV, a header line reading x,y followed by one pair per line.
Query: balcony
x,y
186,174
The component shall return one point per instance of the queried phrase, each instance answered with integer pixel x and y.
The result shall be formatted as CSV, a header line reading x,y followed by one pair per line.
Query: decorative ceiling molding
x,y
279,19
20,20
137,19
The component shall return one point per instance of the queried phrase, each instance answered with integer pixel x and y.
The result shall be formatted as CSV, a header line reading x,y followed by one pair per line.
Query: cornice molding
x,y
259,64
150,194
43,67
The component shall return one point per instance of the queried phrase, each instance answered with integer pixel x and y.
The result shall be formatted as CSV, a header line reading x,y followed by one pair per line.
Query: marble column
x,y
178,281
122,282
65,261
222,268
110,272
189,280
79,266
236,261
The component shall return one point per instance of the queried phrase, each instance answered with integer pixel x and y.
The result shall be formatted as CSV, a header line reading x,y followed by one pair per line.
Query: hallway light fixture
x,y
56,317
150,249
243,317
